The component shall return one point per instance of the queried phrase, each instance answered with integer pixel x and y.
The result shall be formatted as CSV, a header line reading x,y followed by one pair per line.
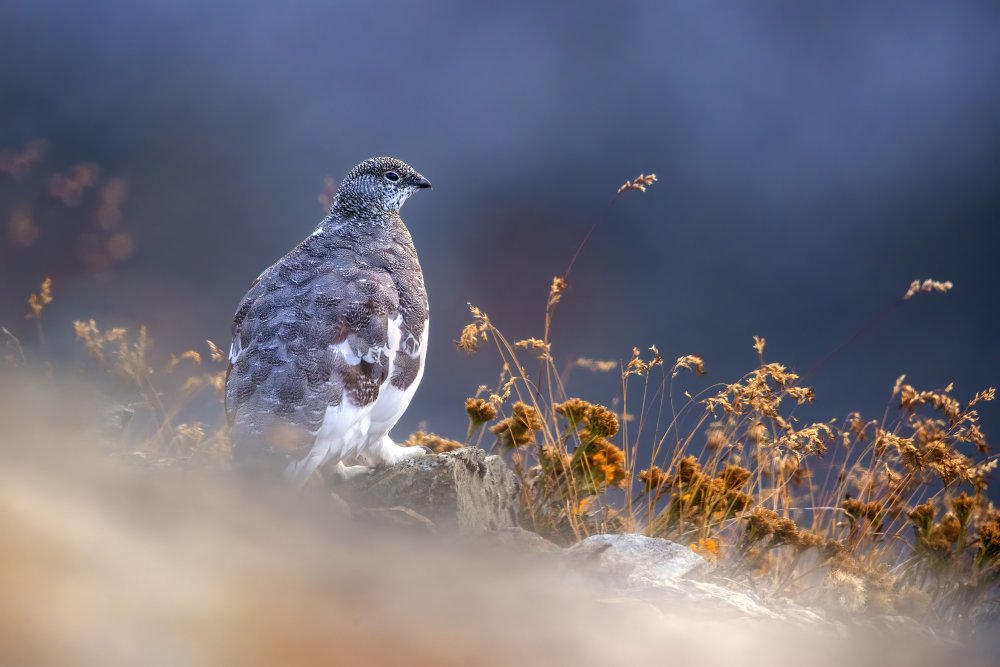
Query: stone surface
x,y
476,494
464,490
639,560
524,540
659,570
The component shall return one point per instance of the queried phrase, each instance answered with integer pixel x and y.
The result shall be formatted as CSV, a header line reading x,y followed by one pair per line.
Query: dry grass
x,y
105,567
861,516
892,509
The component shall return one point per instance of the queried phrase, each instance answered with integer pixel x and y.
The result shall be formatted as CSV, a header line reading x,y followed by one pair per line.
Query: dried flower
x,y
989,541
601,421
601,463
735,477
808,539
519,429
474,332
922,518
654,479
963,506
858,510
985,395
950,528
688,469
479,410
597,419
189,434
37,302
215,352
640,183
757,432
784,531
433,442
689,362
846,591
637,366
801,394
760,523
574,410
189,355
942,401
927,286
541,348
707,548
559,286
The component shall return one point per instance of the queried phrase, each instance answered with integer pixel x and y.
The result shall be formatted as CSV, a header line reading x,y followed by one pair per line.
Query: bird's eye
x,y
391,176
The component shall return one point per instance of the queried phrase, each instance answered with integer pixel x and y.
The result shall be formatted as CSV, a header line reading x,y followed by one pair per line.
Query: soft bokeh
x,y
107,565
813,158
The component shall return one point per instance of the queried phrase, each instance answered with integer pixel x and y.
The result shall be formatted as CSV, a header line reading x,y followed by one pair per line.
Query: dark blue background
x,y
813,159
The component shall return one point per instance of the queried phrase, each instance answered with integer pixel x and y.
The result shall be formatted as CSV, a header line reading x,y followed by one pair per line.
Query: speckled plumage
x,y
329,342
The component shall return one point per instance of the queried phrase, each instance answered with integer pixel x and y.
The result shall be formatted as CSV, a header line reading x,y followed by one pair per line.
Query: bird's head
x,y
379,184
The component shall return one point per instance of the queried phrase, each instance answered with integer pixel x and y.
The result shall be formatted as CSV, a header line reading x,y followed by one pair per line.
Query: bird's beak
x,y
422,182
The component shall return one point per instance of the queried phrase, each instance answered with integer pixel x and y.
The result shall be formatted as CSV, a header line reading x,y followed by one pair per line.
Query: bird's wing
x,y
309,335
254,292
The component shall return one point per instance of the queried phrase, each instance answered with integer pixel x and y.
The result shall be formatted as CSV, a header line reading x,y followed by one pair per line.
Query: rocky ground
x,y
419,563
469,492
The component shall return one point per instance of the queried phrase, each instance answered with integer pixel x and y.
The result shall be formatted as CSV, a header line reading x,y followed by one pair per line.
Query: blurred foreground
x,y
105,565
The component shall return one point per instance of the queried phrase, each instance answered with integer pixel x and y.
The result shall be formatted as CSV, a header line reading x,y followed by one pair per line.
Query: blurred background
x,y
813,159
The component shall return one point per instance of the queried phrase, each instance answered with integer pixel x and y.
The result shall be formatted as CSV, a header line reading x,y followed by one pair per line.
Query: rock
x,y
898,626
718,597
396,517
639,560
523,540
663,572
464,490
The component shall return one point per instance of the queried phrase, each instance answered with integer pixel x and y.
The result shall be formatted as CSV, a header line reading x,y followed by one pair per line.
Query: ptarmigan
x,y
329,342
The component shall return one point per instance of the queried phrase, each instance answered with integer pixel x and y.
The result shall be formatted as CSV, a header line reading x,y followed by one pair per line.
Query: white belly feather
x,y
348,431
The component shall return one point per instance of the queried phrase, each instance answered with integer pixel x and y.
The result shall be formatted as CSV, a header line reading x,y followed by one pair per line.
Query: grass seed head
x,y
927,286
640,183
689,362
38,301
556,290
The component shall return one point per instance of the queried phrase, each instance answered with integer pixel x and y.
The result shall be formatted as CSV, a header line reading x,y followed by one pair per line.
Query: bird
x,y
329,342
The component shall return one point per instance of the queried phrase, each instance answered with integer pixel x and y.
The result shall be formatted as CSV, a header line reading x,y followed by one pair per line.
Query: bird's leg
x,y
299,472
388,452
349,472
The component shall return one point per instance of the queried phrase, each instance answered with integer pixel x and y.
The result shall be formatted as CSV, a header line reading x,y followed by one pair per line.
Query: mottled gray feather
x,y
342,284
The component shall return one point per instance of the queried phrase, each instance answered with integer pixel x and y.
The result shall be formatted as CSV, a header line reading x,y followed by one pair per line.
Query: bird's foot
x,y
406,453
350,472
389,452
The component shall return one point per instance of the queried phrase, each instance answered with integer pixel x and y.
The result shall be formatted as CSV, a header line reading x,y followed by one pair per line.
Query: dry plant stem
x,y
565,277
16,343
